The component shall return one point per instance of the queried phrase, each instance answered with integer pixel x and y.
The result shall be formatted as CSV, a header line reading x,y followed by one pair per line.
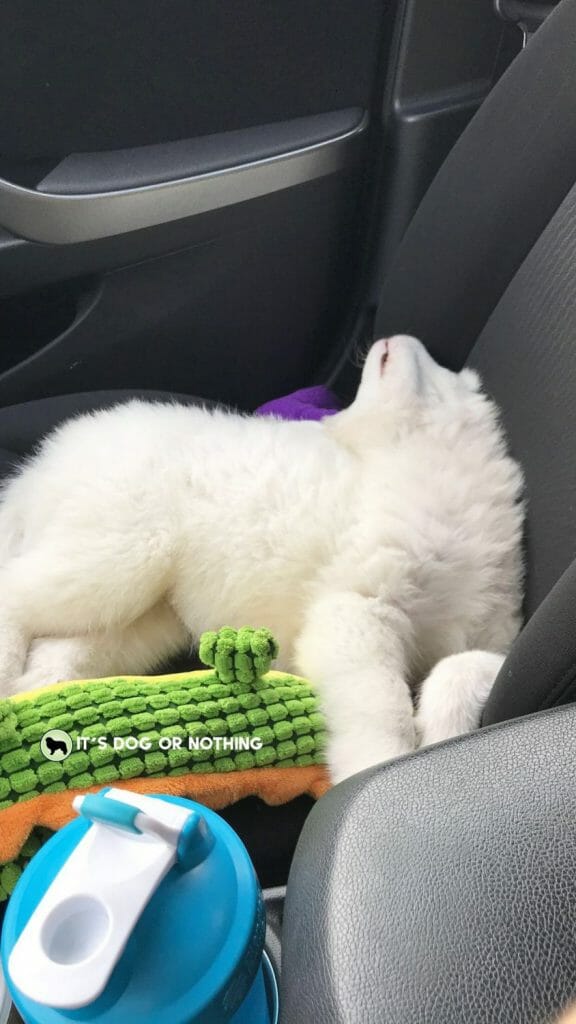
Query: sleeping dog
x,y
382,547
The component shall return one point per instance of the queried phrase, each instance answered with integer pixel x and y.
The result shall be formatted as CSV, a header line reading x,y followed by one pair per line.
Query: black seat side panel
x,y
504,179
527,357
540,671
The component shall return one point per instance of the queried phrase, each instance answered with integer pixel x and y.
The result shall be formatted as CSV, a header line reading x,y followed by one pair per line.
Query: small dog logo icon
x,y
56,745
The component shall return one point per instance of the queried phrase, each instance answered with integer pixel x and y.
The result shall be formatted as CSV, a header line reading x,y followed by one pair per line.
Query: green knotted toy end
x,y
238,655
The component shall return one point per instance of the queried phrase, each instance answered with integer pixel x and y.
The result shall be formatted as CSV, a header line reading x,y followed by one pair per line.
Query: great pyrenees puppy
x,y
382,547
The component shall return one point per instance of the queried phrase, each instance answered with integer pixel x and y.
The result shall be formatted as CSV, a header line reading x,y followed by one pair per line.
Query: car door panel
x,y
198,319
115,74
187,189
179,184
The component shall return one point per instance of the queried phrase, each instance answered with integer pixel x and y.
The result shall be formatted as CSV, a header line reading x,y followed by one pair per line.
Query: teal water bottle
x,y
145,908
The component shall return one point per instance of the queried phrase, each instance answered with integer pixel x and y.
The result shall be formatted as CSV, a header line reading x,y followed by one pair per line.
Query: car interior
x,y
222,202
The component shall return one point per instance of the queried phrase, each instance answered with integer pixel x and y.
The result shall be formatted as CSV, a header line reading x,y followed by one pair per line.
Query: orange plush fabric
x,y
273,785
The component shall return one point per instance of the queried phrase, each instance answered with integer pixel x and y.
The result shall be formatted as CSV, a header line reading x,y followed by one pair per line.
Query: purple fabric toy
x,y
307,404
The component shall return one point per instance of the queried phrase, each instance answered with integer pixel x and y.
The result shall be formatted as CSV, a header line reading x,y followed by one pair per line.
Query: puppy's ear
x,y
471,379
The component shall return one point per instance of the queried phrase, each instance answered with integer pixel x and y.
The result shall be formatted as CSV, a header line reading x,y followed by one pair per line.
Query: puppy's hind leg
x,y
132,650
72,589
14,638
14,643
453,696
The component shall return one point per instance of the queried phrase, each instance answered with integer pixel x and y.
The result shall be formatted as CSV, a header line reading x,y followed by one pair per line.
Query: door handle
x,y
155,185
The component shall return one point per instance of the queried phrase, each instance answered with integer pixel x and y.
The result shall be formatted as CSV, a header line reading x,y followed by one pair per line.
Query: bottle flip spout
x,y
73,940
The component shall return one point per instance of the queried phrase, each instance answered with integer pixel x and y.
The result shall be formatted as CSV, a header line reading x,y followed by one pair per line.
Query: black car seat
x,y
486,274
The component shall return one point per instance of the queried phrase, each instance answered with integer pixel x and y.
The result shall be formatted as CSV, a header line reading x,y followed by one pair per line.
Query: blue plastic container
x,y
195,953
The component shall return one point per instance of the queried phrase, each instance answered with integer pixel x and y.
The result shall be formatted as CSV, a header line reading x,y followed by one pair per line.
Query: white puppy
x,y
379,545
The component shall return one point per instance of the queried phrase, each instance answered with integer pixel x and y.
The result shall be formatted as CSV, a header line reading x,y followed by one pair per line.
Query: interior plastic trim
x,y
65,219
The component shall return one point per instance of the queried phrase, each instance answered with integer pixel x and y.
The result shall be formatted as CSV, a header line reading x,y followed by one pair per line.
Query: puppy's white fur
x,y
379,545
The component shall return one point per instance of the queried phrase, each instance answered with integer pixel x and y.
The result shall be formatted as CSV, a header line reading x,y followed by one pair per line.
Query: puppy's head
x,y
400,374
403,389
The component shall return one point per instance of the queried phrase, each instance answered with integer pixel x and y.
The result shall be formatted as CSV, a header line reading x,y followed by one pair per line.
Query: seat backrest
x,y
487,271
491,199
527,357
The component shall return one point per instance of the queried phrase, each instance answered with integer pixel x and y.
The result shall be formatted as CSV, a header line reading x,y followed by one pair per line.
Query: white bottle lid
x,y
79,930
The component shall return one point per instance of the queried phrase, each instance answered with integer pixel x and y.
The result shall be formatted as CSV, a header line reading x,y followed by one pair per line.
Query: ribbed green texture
x,y
10,873
234,699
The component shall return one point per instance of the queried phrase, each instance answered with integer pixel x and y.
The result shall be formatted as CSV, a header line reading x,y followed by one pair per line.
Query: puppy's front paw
x,y
454,694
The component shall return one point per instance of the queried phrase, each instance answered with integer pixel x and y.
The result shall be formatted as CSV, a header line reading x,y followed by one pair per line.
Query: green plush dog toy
x,y
232,730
